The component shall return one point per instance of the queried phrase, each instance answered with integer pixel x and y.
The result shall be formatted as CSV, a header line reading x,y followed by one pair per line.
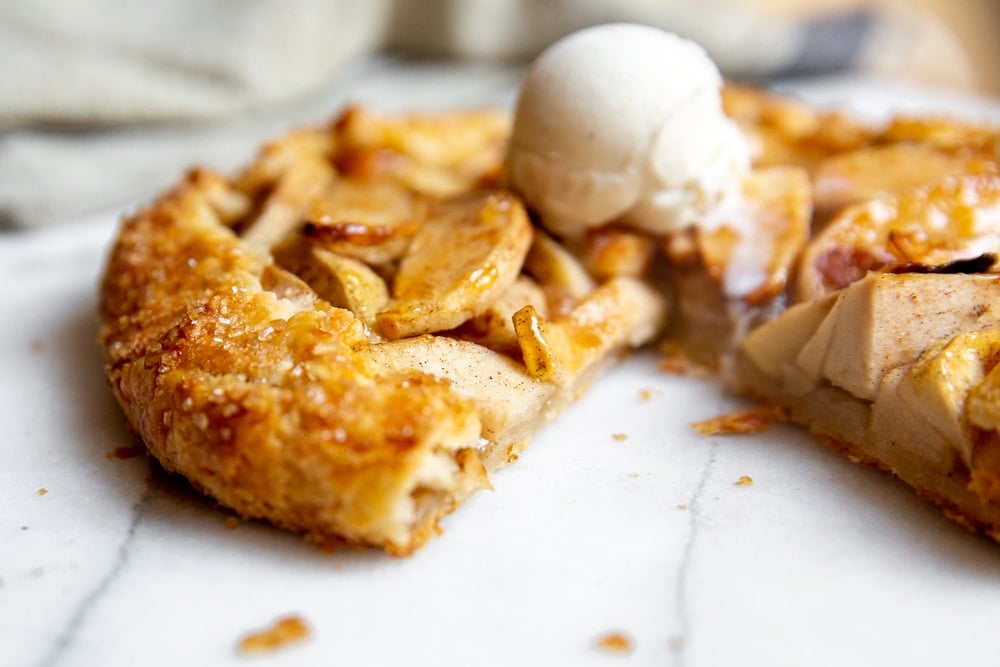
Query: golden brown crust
x,y
262,402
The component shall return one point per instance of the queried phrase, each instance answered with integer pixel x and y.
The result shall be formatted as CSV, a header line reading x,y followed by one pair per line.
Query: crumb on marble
x,y
42,491
751,420
633,474
676,642
675,365
232,523
744,480
37,346
682,507
675,362
282,632
614,642
619,437
126,452
646,395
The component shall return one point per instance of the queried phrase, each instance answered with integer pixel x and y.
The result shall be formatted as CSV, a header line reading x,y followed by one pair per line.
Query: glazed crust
x,y
261,400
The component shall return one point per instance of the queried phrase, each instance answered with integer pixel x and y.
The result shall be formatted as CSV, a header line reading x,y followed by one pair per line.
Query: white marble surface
x,y
819,562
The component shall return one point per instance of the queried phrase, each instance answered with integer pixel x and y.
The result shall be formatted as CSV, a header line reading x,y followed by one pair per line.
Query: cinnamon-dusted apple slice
x,y
560,358
954,220
465,255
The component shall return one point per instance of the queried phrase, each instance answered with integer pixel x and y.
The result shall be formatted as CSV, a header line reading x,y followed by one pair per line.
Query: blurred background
x,y
107,100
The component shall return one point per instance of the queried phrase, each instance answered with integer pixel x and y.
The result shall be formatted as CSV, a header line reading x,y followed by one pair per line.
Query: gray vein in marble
x,y
694,522
64,640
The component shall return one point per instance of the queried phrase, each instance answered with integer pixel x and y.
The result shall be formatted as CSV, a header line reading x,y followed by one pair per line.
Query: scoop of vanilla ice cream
x,y
623,122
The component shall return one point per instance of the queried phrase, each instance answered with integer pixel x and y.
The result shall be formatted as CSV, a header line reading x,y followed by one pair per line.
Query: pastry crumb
x,y
37,346
682,507
674,361
126,452
284,631
676,642
744,480
615,642
646,395
751,420
232,523
42,491
675,365
619,437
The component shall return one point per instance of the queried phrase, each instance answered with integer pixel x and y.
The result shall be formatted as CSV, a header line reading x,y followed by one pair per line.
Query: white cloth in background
x,y
105,100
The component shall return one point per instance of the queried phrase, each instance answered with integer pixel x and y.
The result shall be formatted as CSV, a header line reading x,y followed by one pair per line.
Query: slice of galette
x,y
347,337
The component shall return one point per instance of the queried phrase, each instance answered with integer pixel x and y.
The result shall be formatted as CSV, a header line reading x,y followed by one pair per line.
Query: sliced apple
x,y
619,314
441,155
372,221
939,384
466,254
343,281
494,327
510,403
860,175
285,209
888,320
558,271
957,218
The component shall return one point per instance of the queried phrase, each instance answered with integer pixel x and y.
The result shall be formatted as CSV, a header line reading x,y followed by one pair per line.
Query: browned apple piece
x,y
343,281
561,275
494,327
372,221
608,252
438,155
860,175
467,253
286,174
957,218
944,133
569,349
